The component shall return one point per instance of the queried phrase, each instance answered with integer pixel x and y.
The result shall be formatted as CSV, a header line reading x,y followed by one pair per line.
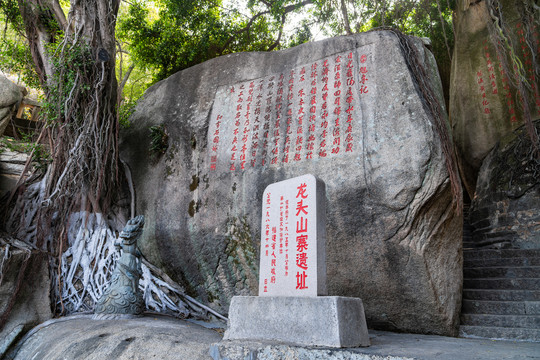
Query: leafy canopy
x,y
15,56
171,35
160,37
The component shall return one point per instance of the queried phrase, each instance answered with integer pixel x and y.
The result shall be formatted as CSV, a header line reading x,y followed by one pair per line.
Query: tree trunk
x,y
75,60
345,15
78,75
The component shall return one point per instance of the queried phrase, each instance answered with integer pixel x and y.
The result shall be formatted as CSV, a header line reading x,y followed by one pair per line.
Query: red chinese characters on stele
x,y
293,237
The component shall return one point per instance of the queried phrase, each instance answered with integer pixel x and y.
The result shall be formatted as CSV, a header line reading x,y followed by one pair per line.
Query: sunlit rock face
x,y
345,110
485,104
10,95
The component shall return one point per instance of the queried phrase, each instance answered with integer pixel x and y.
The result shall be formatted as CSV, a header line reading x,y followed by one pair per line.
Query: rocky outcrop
x,y
484,104
12,165
152,337
10,96
504,211
204,144
24,291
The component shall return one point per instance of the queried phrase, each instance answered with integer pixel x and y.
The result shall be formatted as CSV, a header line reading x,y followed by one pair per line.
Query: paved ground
x,y
164,338
447,348
386,346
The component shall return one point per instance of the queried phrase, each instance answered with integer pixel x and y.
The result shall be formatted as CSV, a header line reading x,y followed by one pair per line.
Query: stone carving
x,y
123,299
293,250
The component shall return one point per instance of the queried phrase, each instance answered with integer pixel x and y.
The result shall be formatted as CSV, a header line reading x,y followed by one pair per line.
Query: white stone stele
x,y
331,321
293,274
293,238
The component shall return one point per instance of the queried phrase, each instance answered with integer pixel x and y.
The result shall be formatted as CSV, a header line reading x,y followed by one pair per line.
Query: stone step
x,y
514,261
501,295
500,333
501,283
500,253
501,307
497,320
496,243
502,272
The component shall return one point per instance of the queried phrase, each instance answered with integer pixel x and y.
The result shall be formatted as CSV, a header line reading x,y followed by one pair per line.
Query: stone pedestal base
x,y
332,321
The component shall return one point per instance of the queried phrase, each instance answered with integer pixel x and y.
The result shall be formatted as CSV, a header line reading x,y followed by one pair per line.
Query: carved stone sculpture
x,y
123,299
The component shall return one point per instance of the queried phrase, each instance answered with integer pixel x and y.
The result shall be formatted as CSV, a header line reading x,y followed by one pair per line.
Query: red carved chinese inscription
x,y
301,237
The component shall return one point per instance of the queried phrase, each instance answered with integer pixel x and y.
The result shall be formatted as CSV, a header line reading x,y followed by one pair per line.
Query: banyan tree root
x,y
82,261
87,265
81,274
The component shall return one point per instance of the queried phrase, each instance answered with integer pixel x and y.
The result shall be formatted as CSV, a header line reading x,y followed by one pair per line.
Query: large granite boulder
x,y
484,102
10,95
504,212
204,144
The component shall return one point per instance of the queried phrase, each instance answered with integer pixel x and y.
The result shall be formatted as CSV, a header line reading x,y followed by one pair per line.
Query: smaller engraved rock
x,y
123,299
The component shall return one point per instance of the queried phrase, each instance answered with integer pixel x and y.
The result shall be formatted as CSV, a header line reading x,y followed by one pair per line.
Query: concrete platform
x,y
333,321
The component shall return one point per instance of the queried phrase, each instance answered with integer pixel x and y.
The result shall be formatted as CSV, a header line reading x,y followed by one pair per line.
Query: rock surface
x,y
164,338
149,337
384,346
32,305
11,167
10,95
504,212
484,106
393,238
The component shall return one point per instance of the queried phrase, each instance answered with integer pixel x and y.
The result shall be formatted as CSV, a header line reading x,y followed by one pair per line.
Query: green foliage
x,y
124,112
423,18
165,43
15,56
175,34
137,81
165,36
301,35
159,140
72,67
412,17
161,37
9,10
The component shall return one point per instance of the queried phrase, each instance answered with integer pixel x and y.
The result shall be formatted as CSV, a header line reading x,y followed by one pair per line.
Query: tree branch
x,y
244,29
287,9
276,43
59,15
345,15
37,18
